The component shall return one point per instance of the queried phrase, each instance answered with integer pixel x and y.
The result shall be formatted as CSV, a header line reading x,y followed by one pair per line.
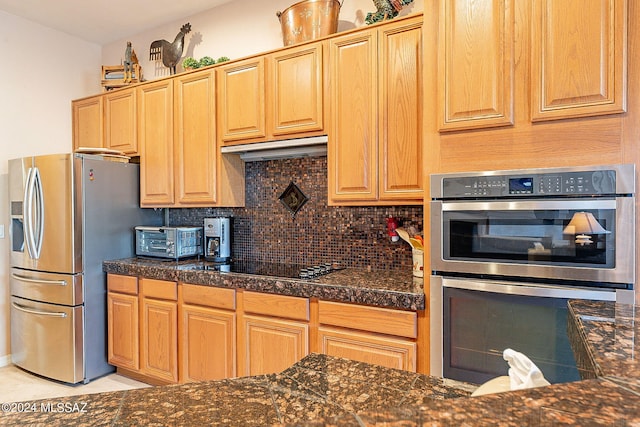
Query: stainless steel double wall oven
x,y
510,248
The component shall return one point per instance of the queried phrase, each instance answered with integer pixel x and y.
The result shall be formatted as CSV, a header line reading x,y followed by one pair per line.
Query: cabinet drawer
x,y
160,289
209,296
369,348
276,305
122,284
372,319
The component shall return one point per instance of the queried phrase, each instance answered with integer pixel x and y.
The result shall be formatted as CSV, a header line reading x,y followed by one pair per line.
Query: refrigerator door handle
x,y
39,281
39,201
38,312
28,196
33,213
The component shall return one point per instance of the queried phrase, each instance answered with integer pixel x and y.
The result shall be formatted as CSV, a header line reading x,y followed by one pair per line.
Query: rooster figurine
x,y
170,53
387,9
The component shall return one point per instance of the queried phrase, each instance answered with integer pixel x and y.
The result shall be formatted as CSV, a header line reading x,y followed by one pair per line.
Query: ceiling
x,y
103,22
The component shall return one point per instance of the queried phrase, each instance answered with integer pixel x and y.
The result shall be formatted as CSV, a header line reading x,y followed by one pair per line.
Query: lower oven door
x,y
473,321
47,339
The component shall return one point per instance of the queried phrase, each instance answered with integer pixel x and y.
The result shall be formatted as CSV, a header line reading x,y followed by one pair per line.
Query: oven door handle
x,y
529,289
527,205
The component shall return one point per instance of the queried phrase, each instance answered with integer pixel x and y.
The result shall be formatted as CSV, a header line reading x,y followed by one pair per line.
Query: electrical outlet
x,y
1,231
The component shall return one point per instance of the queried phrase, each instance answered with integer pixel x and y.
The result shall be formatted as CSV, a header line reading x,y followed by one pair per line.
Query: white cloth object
x,y
523,373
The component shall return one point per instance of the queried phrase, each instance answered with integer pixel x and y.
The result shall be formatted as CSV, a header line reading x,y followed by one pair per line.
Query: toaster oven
x,y
168,242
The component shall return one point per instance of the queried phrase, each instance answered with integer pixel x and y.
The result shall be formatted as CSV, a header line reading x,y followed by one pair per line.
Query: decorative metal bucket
x,y
308,20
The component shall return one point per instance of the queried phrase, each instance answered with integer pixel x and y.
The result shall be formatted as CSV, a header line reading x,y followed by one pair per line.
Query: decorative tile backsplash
x,y
265,229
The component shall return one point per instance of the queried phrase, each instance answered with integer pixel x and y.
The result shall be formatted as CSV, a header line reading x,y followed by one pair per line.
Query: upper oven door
x,y
571,239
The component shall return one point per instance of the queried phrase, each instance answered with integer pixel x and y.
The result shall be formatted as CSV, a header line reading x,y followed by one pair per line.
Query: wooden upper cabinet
x,y
296,86
275,96
120,124
476,64
352,148
400,119
241,100
375,153
155,136
87,122
579,50
181,165
195,139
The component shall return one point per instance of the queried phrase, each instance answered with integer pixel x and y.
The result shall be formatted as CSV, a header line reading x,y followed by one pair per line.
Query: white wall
x,y
41,72
236,29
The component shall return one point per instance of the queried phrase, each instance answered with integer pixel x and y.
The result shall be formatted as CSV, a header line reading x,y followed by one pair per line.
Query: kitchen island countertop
x,y
325,391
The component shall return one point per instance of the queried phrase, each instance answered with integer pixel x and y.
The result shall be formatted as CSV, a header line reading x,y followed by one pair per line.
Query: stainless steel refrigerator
x,y
69,212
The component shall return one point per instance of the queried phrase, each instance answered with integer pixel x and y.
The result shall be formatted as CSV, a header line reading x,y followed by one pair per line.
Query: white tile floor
x,y
17,385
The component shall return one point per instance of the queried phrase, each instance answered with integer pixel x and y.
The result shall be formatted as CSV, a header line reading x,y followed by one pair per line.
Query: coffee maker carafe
x,y
217,239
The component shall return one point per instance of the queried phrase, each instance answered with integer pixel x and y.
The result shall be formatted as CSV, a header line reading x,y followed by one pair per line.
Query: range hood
x,y
286,149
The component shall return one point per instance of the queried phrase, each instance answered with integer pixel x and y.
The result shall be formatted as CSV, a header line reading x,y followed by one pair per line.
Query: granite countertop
x,y
394,289
317,387
326,391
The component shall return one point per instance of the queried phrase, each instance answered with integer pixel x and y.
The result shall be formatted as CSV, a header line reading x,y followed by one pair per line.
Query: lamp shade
x,y
582,225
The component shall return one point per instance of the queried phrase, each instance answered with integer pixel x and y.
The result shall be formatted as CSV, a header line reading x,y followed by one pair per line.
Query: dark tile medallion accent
x,y
293,198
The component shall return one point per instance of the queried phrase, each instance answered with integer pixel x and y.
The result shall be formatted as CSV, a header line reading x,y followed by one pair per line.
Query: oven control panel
x,y
534,184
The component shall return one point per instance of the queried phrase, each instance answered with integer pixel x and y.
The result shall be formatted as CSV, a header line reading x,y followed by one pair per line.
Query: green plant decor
x,y
223,59
190,63
206,61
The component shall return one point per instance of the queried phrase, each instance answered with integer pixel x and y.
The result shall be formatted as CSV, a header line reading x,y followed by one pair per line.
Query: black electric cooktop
x,y
274,269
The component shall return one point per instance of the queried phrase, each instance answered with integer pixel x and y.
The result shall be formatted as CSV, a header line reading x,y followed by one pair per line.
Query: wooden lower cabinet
x,y
370,348
381,336
274,332
273,345
159,329
207,333
163,332
122,327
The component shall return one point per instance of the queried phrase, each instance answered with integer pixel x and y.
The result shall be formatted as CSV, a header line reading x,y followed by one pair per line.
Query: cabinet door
x,y
476,64
123,330
155,136
578,58
272,345
400,164
87,122
207,344
241,100
159,339
120,122
369,348
296,83
352,148
195,139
